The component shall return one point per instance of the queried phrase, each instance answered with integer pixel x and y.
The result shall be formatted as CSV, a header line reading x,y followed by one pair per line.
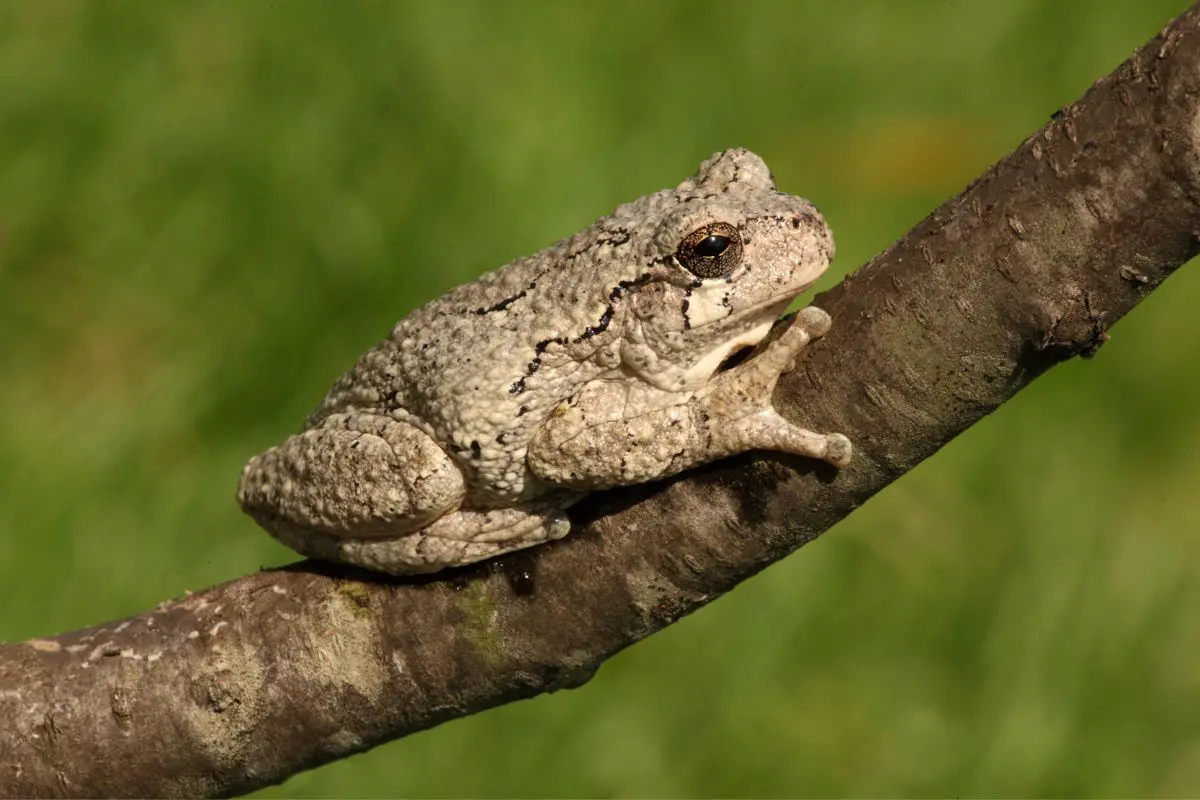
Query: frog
x,y
604,360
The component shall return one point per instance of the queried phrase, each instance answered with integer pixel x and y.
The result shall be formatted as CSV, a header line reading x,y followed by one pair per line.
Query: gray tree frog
x,y
486,413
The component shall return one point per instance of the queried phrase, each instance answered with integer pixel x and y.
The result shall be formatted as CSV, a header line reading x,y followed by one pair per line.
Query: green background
x,y
208,210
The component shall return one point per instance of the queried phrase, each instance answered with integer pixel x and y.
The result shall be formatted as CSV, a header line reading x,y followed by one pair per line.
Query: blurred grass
x,y
208,209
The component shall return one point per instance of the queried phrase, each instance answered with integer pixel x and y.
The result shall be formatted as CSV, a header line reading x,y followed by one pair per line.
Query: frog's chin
x,y
715,342
743,329
700,372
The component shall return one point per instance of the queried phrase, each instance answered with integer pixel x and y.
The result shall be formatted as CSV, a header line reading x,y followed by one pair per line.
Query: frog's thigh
x,y
460,537
358,475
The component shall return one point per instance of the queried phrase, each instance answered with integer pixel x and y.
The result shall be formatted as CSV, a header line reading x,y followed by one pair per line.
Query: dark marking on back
x,y
535,363
541,346
518,386
613,296
503,304
619,237
600,326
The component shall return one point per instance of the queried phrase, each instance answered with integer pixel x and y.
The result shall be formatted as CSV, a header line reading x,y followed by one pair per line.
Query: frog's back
x,y
467,353
465,362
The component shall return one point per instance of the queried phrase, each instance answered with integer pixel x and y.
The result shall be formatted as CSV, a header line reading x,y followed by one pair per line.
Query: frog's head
x,y
728,254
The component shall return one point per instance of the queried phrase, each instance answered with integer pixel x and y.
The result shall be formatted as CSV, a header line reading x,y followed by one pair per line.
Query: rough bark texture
x,y
249,682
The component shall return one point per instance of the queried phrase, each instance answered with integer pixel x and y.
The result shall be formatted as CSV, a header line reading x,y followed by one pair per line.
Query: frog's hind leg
x,y
357,475
460,537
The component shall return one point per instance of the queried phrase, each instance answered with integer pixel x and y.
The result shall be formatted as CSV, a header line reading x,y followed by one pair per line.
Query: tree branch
x,y
244,684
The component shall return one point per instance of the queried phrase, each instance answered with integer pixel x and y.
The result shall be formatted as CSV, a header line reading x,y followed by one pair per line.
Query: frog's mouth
x,y
720,342
735,358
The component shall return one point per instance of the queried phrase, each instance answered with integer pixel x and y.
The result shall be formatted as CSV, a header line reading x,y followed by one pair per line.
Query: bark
x,y
249,682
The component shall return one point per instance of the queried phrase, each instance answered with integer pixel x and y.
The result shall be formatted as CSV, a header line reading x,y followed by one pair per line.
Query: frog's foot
x,y
460,537
767,430
750,386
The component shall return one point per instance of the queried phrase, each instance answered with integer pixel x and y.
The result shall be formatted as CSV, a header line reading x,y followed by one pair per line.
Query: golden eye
x,y
711,251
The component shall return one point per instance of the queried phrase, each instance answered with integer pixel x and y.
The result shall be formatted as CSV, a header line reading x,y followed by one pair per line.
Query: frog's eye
x,y
711,251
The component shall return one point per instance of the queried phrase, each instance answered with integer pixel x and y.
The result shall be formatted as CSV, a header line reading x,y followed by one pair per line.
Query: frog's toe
x,y
815,321
838,449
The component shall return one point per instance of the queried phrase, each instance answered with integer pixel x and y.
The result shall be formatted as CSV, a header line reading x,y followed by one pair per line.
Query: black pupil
x,y
712,246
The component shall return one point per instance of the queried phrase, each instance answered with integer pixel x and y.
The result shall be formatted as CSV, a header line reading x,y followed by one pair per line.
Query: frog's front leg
x,y
356,475
616,433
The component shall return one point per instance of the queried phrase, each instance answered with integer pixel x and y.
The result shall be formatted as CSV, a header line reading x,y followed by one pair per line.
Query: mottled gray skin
x,y
487,412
